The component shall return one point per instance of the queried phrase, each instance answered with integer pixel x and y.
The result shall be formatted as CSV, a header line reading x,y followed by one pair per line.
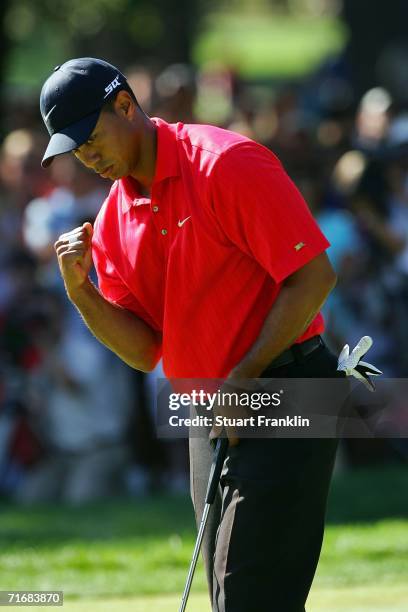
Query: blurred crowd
x,y
76,423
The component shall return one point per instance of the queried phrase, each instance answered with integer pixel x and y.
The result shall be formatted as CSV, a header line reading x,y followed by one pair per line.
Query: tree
x,y
4,49
121,31
377,30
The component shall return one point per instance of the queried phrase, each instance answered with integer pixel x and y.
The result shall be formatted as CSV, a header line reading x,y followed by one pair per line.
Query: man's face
x,y
112,150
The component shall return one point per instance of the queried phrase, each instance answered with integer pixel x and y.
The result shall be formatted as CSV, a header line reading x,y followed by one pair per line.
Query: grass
x,y
135,553
321,600
260,45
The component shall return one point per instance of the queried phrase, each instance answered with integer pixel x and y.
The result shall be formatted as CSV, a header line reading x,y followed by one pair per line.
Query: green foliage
x,y
268,45
75,18
44,33
255,39
369,495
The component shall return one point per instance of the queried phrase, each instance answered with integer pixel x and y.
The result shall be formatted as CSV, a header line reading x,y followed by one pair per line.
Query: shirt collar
x,y
167,165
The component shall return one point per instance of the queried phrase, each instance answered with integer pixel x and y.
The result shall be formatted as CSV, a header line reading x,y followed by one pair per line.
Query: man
x,y
208,257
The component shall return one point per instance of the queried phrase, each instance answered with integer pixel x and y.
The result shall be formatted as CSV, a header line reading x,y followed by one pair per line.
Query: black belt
x,y
292,354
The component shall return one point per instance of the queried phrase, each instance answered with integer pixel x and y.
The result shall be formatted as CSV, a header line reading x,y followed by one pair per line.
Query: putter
x,y
213,481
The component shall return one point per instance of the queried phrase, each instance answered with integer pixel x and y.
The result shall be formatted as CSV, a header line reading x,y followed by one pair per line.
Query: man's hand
x,y
232,409
218,430
74,251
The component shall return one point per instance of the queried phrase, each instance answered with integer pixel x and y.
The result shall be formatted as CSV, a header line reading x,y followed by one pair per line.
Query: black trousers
x,y
265,530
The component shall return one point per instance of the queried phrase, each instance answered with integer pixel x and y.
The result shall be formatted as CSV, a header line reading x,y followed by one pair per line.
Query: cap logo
x,y
113,85
47,116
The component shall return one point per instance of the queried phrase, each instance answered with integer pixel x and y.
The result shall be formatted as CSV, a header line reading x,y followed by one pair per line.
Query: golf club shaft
x,y
213,481
195,558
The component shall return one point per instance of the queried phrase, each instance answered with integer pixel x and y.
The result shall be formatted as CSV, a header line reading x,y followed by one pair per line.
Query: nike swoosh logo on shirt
x,y
49,113
181,223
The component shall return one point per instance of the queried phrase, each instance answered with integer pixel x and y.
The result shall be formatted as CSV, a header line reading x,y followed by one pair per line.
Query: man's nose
x,y
88,157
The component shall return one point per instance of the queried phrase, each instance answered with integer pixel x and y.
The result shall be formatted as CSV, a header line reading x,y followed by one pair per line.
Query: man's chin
x,y
113,173
116,174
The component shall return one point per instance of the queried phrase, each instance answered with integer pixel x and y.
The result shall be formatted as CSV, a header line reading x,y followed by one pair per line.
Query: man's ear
x,y
124,105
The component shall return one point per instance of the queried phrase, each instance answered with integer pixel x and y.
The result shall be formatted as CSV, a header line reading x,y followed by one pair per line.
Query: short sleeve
x,y
261,211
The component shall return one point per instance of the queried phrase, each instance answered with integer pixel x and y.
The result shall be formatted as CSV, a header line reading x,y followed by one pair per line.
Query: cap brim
x,y
70,138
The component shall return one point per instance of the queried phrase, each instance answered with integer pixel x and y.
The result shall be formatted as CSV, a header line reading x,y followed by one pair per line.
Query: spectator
x,y
80,406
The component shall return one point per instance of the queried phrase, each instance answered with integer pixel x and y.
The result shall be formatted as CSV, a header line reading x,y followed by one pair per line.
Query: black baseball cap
x,y
71,100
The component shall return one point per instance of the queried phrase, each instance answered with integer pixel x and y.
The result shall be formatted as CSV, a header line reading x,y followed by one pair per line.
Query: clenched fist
x,y
74,251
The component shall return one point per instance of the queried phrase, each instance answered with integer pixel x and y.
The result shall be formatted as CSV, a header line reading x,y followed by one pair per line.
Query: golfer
x,y
207,257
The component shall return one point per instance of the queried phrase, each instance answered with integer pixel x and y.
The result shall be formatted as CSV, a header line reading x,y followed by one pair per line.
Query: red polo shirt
x,y
204,258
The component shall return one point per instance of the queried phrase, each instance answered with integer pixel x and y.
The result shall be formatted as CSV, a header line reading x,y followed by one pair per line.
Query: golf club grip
x,y
216,468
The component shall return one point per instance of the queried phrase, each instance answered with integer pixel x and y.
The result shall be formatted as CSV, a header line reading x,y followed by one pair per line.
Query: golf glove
x,y
351,364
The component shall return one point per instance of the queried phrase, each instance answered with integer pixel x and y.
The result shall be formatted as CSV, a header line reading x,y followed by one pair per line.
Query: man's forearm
x,y
299,301
120,330
281,328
